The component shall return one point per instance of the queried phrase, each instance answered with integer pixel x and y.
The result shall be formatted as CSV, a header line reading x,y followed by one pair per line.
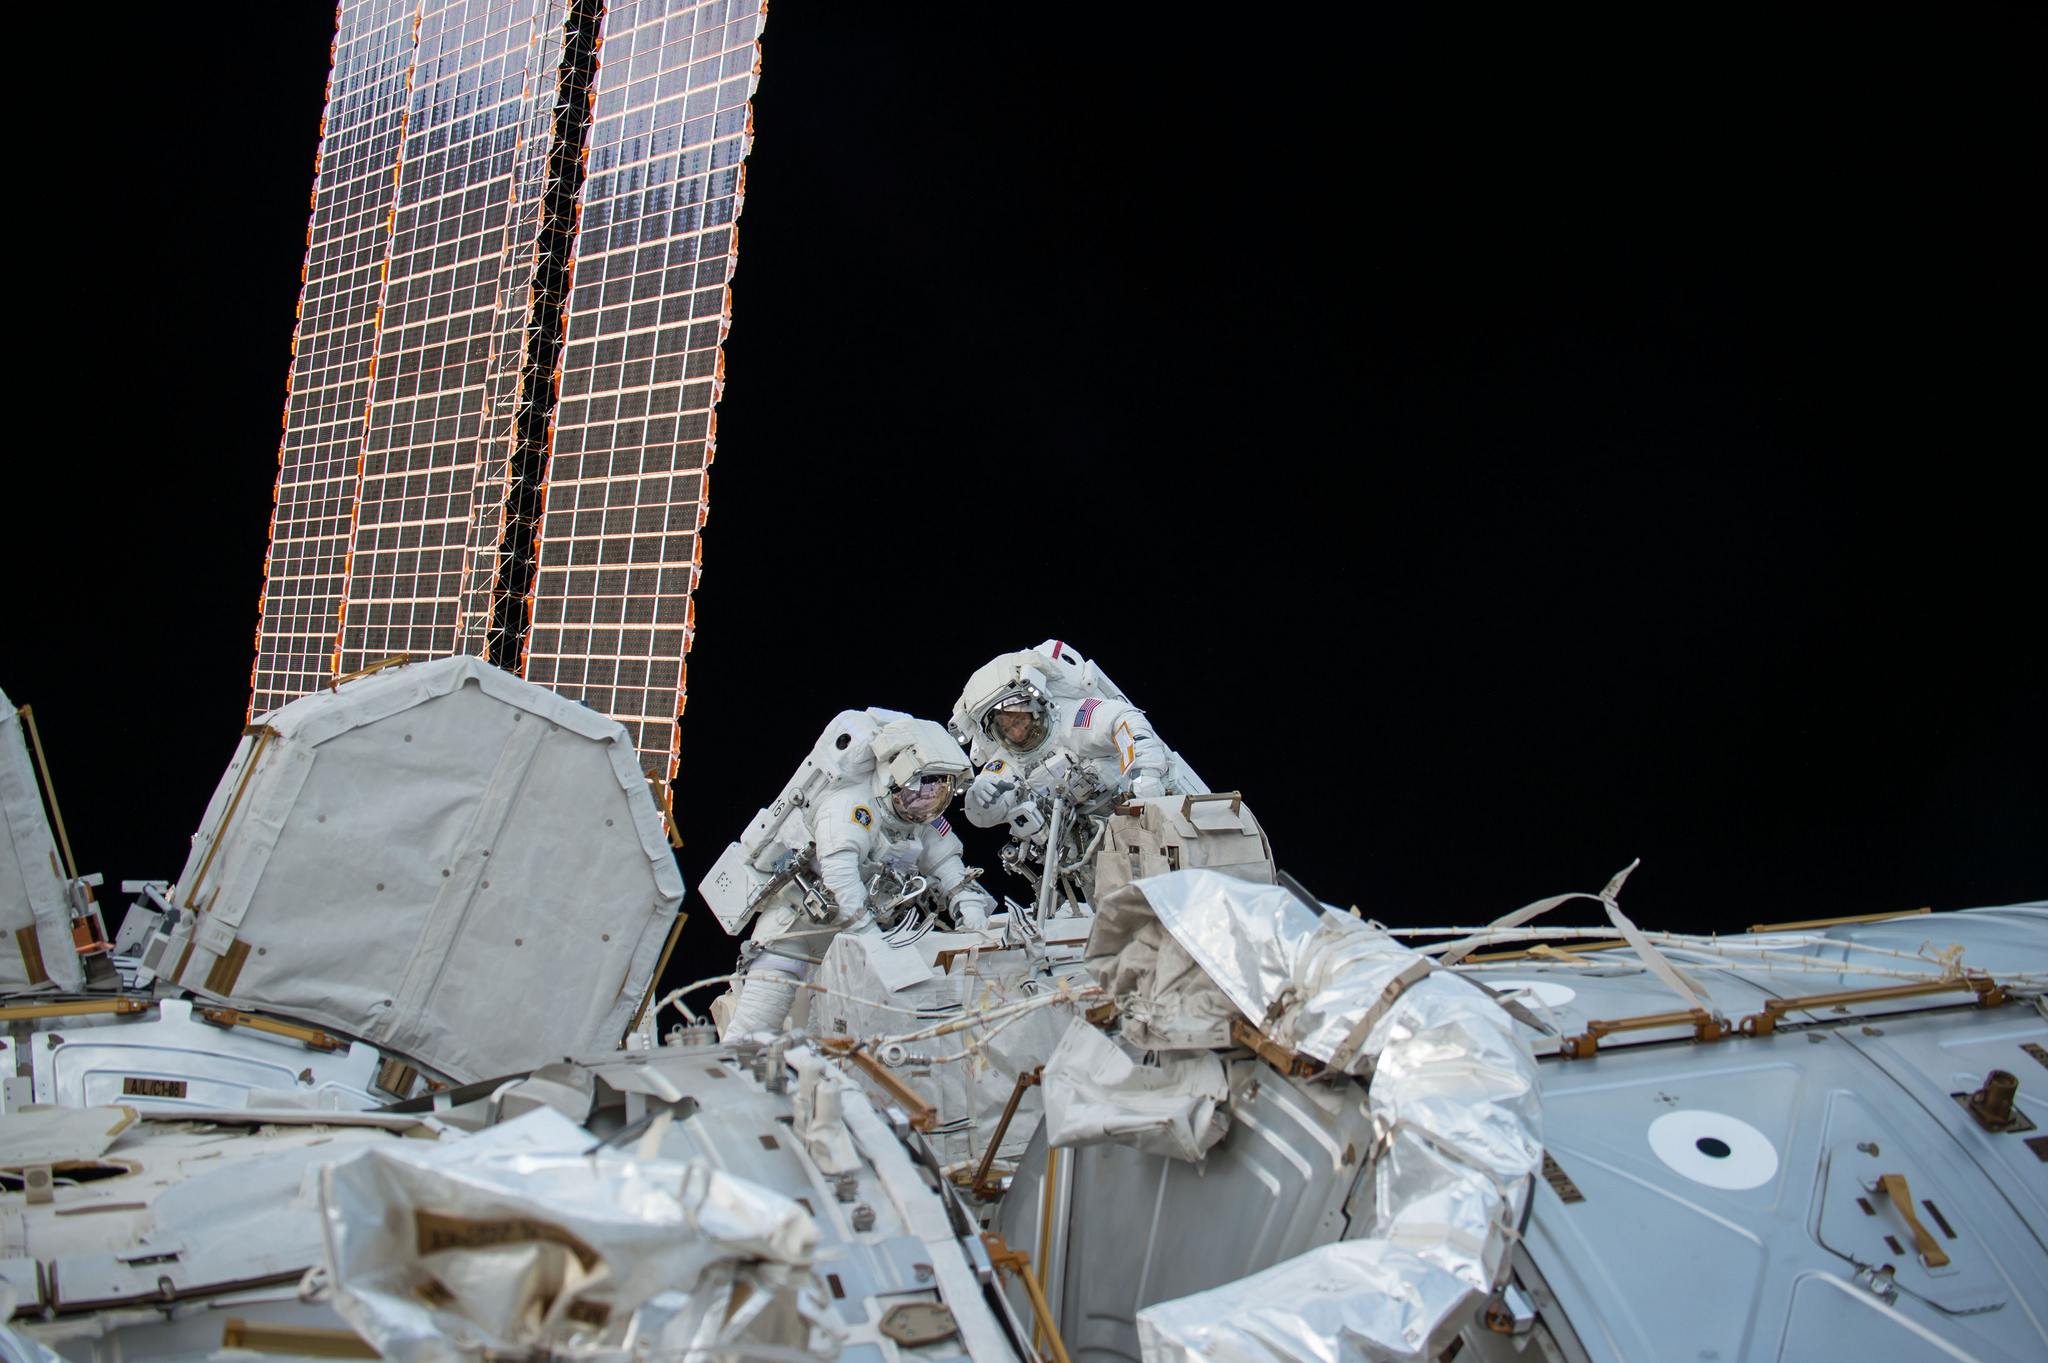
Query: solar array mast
x,y
508,349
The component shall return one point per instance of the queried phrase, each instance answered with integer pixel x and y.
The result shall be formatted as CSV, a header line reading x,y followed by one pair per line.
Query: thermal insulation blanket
x,y
523,1238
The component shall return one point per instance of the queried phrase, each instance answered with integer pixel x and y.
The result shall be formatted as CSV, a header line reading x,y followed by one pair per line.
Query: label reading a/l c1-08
x,y
132,1087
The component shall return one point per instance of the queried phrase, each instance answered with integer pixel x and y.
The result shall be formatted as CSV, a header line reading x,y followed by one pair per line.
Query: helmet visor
x,y
1017,723
924,801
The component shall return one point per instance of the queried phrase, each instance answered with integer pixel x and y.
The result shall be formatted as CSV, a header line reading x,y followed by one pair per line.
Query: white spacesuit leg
x,y
771,982
765,996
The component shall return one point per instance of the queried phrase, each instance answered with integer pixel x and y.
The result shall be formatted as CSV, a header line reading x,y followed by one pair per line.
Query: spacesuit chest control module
x,y
857,841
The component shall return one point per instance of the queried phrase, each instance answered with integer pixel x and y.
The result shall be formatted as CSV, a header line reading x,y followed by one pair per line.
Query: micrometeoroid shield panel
x,y
641,370
440,859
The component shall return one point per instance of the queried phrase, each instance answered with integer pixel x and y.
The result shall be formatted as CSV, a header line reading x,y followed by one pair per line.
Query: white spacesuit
x,y
1046,712
1058,745
857,839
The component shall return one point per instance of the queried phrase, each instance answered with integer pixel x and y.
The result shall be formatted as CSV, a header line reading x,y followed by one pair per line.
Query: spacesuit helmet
x,y
1019,721
919,767
922,799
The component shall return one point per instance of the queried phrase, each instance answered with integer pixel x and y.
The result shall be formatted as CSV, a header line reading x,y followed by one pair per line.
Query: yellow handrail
x,y
28,715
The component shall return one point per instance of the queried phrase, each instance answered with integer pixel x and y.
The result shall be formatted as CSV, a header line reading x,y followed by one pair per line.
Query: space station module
x,y
856,840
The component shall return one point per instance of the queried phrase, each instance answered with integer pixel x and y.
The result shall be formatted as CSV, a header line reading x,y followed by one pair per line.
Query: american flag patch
x,y
941,824
1085,713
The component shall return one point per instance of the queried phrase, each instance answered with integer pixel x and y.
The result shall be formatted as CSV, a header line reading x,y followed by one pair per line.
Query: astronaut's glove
x,y
1147,788
972,908
989,799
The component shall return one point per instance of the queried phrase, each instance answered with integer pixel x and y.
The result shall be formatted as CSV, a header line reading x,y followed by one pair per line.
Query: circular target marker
x,y
1714,1149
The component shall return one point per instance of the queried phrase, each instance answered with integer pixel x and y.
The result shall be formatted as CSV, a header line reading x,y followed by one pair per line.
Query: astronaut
x,y
858,840
1043,712
1045,723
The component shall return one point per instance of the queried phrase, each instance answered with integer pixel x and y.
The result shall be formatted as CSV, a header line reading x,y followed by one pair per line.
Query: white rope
x,y
674,997
1509,936
1065,994
1723,955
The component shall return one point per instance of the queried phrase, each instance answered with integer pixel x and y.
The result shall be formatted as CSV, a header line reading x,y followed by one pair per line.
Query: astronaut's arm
x,y
991,797
945,864
840,871
1141,756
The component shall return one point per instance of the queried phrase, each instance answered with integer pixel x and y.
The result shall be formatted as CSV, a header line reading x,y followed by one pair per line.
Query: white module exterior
x,y
31,888
441,859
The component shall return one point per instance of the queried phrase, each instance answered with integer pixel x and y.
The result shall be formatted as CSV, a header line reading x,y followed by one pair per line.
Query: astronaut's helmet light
x,y
1019,721
924,801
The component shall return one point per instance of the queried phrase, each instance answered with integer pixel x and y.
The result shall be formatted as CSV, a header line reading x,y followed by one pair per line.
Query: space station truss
x,y
508,349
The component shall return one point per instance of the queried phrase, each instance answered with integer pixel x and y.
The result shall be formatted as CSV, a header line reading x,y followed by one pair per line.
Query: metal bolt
x,y
846,1187
1992,1104
863,1218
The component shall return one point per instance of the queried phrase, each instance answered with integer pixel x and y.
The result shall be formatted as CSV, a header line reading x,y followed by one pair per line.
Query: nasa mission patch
x,y
862,817
996,765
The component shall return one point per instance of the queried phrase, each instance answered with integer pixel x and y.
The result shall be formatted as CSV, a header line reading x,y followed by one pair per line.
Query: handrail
x,y
1016,1261
1542,950
80,1008
263,733
312,1036
28,714
980,1185
1989,995
1711,1027
1705,1027
1837,922
395,660
1236,798
923,1116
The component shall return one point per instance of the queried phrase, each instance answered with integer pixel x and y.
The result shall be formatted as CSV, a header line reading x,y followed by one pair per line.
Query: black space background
x,y
1502,448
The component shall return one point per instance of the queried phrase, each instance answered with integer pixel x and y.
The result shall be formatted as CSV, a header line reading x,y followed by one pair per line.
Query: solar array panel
x,y
633,432
490,447
320,456
471,176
